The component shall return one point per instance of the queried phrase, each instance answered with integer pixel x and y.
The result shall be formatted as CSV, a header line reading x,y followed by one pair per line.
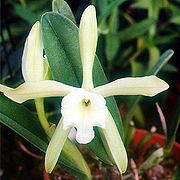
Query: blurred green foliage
x,y
132,36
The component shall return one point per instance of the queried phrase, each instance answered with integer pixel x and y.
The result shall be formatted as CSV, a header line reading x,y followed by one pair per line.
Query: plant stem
x,y
39,103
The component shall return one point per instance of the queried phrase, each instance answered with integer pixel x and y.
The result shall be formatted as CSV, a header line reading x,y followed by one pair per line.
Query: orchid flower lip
x,y
83,110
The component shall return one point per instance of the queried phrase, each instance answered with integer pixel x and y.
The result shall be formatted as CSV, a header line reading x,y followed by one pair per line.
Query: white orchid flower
x,y
84,108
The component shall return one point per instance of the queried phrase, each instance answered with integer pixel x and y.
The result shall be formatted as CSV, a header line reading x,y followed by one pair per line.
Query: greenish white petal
x,y
83,110
33,90
32,59
88,41
115,144
4,88
55,146
147,86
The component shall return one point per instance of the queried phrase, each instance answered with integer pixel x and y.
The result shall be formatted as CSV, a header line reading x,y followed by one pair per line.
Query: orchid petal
x,y
115,144
84,110
32,59
147,86
88,42
4,88
85,134
33,90
55,146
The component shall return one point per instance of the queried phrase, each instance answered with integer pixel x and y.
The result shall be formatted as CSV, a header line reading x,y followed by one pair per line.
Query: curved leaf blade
x,y
61,7
26,124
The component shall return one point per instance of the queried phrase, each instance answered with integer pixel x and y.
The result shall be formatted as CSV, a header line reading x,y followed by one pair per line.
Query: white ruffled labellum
x,y
83,110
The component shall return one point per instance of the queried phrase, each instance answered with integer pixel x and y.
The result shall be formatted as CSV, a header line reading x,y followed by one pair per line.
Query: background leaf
x,y
25,13
108,9
26,124
136,29
61,7
164,58
112,45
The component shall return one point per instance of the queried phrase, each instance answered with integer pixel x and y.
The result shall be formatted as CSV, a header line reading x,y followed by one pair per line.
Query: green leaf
x,y
154,54
166,39
61,7
170,68
26,124
136,29
175,14
137,68
108,9
141,4
112,46
164,58
139,116
172,130
175,20
100,5
114,21
177,173
153,12
25,13
61,44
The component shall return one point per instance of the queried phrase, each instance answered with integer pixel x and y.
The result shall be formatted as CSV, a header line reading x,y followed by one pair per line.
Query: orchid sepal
x,y
55,146
34,90
112,139
32,59
88,35
147,86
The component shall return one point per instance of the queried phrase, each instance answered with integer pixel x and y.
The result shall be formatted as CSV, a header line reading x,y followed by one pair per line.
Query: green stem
x,y
39,103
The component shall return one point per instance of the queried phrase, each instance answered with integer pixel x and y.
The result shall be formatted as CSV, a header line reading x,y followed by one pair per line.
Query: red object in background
x,y
155,139
46,175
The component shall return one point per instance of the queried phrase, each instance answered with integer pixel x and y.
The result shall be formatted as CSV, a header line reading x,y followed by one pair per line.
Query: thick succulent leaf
x,y
64,59
26,124
61,7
